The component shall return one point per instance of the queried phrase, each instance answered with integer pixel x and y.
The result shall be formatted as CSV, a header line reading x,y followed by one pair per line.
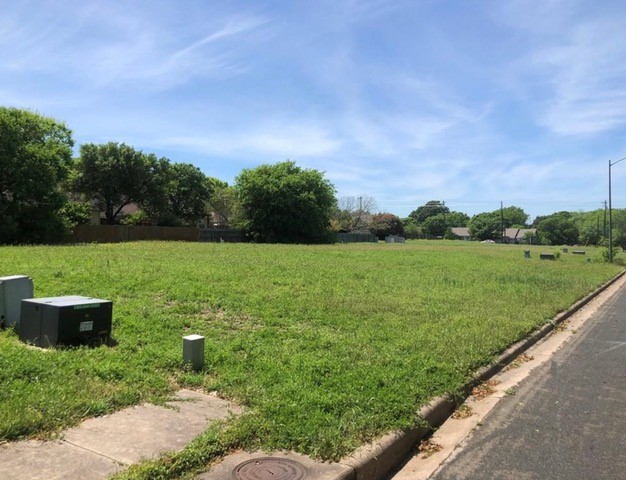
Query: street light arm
x,y
616,161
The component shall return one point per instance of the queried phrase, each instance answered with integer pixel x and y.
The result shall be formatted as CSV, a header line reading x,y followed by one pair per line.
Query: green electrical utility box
x,y
69,320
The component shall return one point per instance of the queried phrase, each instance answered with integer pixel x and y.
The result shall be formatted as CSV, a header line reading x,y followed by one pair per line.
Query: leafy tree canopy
x,y
435,226
35,154
513,216
284,203
115,175
178,195
540,218
385,224
429,209
457,219
558,229
489,225
486,226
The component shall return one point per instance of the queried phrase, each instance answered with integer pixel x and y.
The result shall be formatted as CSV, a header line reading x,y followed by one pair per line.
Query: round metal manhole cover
x,y
269,468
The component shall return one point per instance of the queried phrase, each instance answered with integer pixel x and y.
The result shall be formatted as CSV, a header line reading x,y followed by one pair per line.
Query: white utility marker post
x,y
193,351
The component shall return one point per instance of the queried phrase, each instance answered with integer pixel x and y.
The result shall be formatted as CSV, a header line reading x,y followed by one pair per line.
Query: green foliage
x,y
429,209
490,225
457,219
76,213
283,203
411,228
604,256
322,353
592,226
385,224
135,218
115,175
224,206
558,229
35,154
486,226
179,195
513,216
435,226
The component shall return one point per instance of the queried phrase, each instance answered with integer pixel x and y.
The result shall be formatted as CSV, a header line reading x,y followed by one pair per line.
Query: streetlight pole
x,y
610,212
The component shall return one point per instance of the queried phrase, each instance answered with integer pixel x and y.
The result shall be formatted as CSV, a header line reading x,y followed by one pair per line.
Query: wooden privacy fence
x,y
131,233
356,237
221,235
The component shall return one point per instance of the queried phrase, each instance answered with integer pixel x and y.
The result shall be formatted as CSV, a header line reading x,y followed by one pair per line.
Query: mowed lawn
x,y
327,346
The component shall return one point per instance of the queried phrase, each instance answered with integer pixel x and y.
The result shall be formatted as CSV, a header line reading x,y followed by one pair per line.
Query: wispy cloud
x,y
105,44
273,143
406,101
573,64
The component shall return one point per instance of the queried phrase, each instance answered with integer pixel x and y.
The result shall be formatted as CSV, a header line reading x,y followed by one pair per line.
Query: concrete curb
x,y
374,461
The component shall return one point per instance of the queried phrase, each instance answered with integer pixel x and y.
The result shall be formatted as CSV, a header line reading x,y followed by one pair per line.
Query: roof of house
x,y
127,209
519,233
461,231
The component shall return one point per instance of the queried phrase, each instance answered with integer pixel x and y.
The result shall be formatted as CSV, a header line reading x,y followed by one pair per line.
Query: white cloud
x,y
573,70
105,44
277,143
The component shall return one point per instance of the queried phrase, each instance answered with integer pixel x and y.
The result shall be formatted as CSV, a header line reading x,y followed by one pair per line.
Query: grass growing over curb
x,y
328,346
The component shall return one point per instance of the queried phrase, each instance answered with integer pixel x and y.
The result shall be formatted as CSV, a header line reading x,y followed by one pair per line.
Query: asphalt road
x,y
567,421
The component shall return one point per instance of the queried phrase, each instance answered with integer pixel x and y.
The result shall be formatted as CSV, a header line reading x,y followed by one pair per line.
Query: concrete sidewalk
x,y
100,446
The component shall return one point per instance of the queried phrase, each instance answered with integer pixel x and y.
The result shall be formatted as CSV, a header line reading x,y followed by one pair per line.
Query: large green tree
x,y
513,216
490,225
284,203
429,209
115,175
439,225
435,226
384,224
486,226
178,194
558,229
35,154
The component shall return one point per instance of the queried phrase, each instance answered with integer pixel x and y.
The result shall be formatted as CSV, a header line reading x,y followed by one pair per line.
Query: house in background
x,y
126,211
520,235
462,233
511,235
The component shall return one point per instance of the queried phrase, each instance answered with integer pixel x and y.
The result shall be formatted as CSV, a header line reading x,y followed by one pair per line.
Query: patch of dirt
x,y
428,447
464,411
484,389
523,358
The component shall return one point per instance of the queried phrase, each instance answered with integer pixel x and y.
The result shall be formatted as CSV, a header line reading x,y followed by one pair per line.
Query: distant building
x,y
462,233
511,235
520,235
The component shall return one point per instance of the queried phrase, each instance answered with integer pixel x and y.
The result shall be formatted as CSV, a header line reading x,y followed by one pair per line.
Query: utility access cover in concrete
x,y
267,468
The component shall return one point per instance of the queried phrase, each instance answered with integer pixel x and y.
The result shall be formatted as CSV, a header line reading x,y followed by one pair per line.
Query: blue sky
x,y
472,103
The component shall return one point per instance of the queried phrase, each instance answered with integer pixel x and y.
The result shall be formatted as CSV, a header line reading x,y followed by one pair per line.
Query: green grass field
x,y
328,346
